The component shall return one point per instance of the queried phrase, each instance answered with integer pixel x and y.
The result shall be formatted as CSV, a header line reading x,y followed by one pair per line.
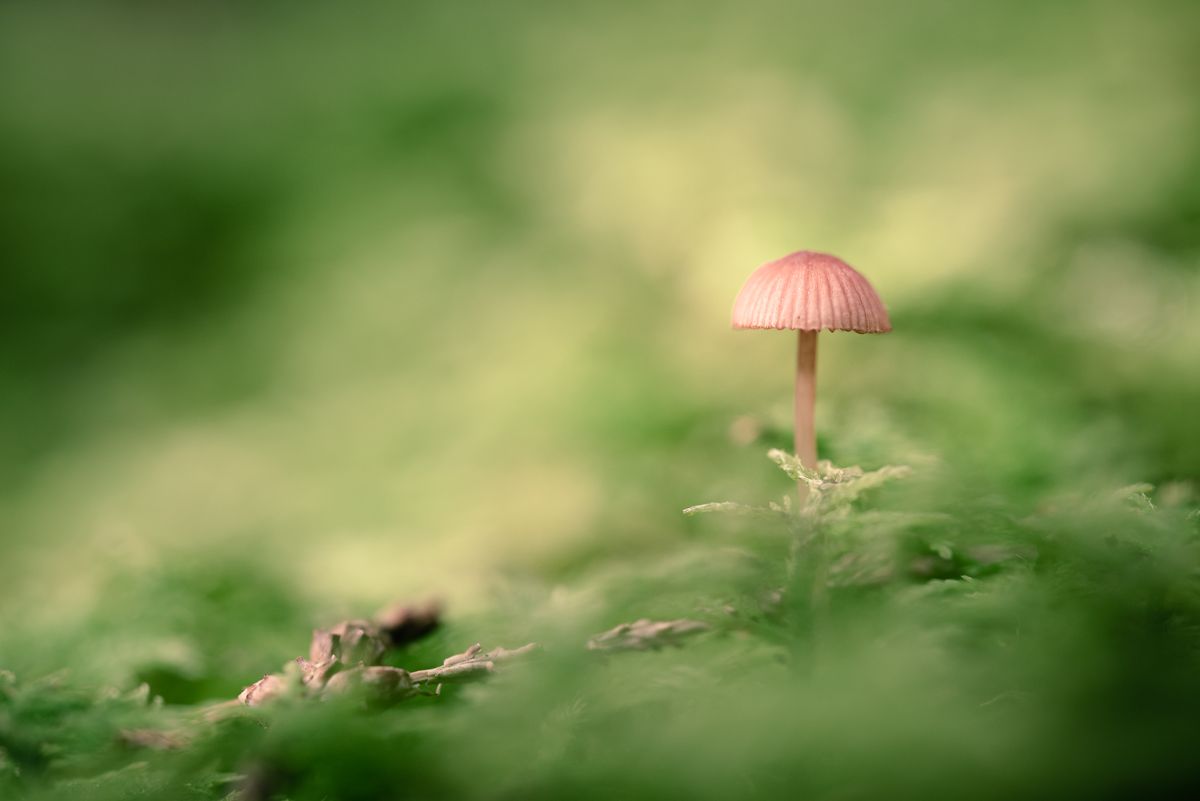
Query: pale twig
x,y
152,739
644,634
470,664
390,684
731,507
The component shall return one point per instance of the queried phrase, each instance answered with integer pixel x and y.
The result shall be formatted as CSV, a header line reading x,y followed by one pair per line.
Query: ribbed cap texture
x,y
810,292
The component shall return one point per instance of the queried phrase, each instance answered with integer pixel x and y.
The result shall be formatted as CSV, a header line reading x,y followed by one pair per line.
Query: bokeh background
x,y
335,304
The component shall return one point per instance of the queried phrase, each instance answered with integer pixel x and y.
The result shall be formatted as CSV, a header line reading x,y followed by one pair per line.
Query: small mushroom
x,y
809,292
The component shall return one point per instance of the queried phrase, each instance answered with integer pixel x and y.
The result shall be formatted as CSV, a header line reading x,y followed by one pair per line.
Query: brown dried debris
x,y
349,645
351,642
346,657
382,684
404,622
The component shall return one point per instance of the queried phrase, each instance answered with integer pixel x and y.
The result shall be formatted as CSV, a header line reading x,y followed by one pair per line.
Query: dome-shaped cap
x,y
810,292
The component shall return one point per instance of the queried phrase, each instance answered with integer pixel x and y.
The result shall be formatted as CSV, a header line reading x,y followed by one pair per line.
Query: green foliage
x,y
965,647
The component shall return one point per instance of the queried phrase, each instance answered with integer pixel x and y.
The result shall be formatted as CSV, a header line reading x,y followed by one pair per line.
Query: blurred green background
x,y
306,307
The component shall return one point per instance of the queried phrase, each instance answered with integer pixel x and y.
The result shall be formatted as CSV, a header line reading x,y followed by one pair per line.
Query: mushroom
x,y
809,292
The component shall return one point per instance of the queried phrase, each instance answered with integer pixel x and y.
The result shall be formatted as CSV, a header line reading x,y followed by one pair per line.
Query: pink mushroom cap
x,y
810,292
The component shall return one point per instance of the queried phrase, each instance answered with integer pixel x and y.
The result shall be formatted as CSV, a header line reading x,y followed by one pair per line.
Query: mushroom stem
x,y
806,398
